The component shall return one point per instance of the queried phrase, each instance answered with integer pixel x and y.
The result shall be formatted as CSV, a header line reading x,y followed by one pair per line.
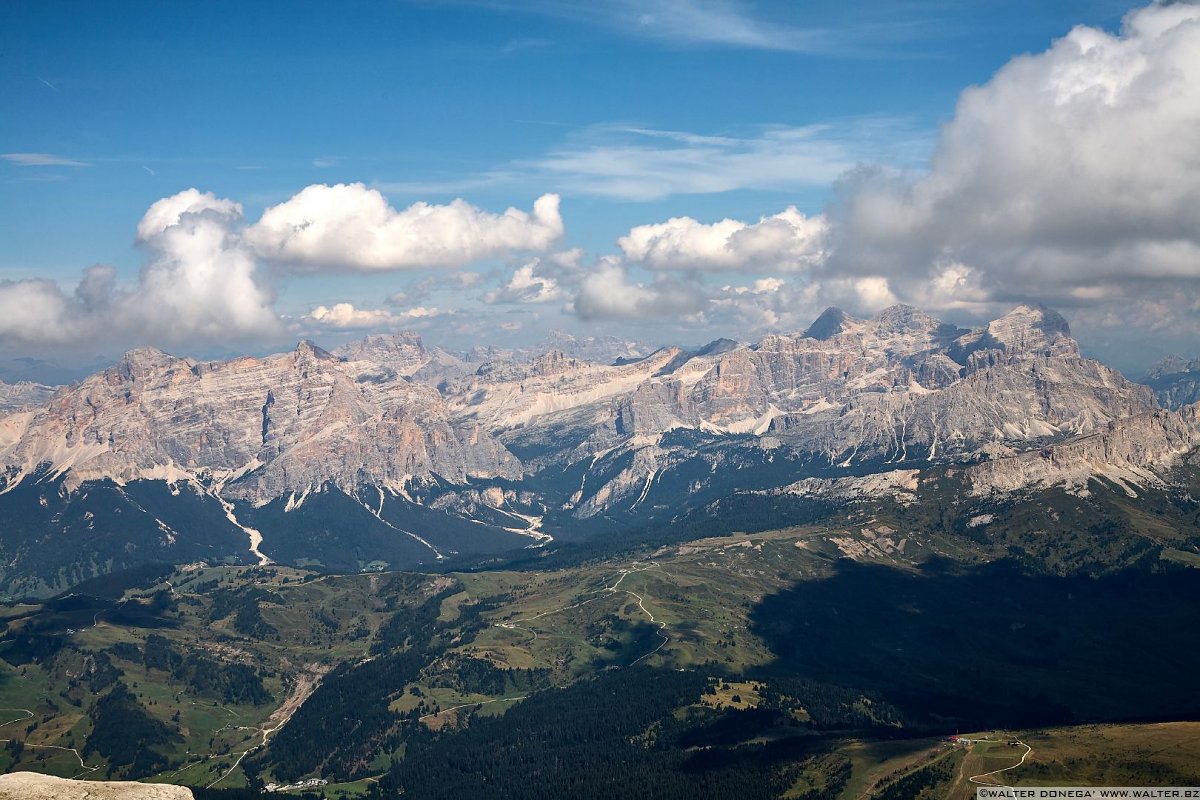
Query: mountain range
x,y
22,395
386,453
1175,381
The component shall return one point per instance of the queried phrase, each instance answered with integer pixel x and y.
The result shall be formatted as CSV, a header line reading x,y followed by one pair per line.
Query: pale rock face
x,y
506,395
1133,452
901,388
797,374
35,786
1025,329
403,352
382,357
22,395
602,349
267,426
901,484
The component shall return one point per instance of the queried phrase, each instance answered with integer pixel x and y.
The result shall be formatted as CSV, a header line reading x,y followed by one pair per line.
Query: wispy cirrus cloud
x,y
41,160
634,162
637,163
523,44
718,23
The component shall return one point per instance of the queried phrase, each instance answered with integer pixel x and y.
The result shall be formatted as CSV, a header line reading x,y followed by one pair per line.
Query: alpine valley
x,y
787,568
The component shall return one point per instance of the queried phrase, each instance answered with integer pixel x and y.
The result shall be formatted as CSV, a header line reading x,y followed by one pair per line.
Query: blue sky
x,y
633,113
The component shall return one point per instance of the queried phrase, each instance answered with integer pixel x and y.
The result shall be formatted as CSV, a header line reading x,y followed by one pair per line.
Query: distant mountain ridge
x,y
439,455
1175,381
17,396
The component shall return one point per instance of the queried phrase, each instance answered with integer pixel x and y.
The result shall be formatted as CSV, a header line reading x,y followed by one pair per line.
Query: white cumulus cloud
x,y
38,312
1070,171
203,280
345,316
608,292
351,226
198,283
788,241
527,285
168,211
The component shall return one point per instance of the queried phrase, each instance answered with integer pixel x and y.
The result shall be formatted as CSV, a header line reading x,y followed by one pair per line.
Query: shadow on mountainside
x,y
992,645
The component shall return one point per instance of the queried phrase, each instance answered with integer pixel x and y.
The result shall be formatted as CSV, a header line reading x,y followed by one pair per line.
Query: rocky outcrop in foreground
x,y
34,786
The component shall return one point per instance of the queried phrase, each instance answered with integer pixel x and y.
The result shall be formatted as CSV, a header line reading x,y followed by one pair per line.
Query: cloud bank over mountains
x,y
204,278
1074,172
1071,177
198,283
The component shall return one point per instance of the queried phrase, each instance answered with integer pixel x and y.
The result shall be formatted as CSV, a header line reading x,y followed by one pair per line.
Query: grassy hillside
x,y
820,660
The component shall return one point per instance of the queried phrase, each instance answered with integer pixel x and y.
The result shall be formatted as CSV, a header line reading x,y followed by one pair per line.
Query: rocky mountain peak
x,y
401,340
901,318
1175,380
554,362
716,347
144,361
403,353
592,348
902,387
384,344
307,350
830,323
1173,364
551,363
1030,327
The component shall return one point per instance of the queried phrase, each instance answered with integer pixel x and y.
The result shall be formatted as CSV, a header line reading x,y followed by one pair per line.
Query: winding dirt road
x,y
978,779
